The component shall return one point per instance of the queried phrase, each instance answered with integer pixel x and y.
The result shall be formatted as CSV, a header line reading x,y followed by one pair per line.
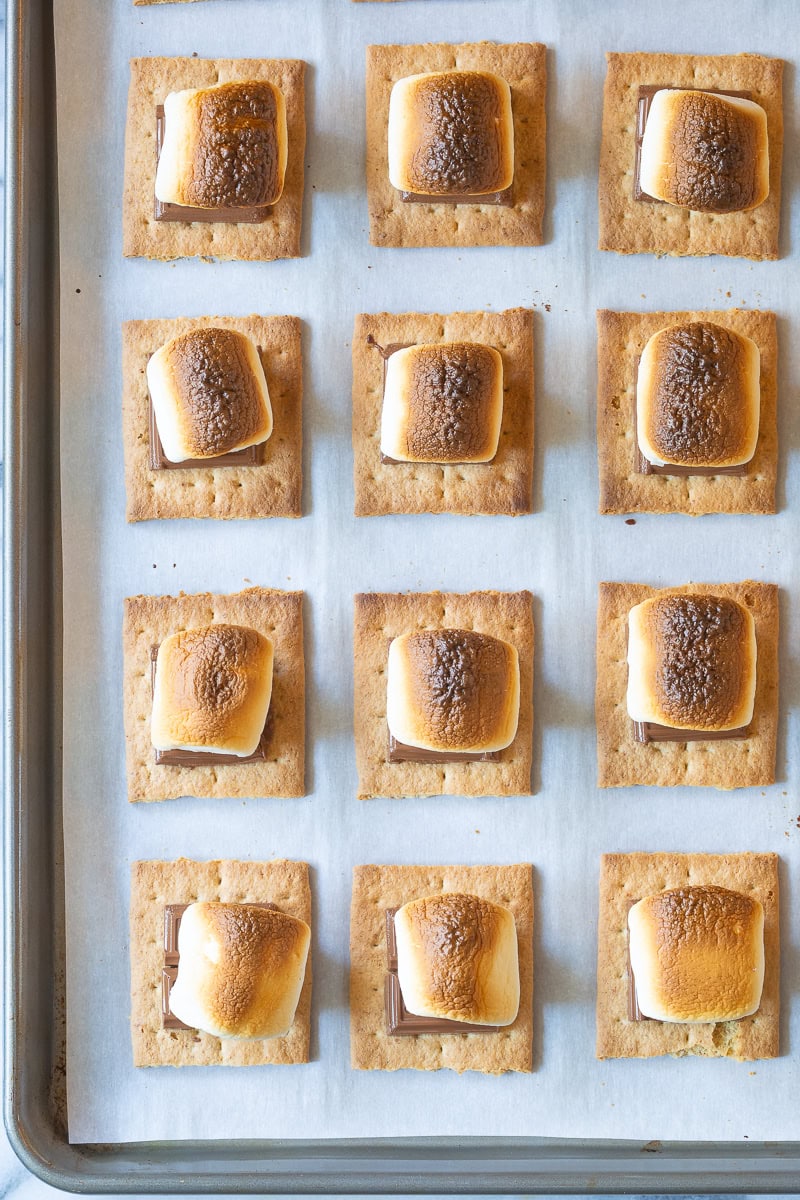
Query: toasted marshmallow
x,y
241,970
212,690
457,959
452,690
691,662
698,396
442,403
209,394
697,954
451,133
224,146
704,151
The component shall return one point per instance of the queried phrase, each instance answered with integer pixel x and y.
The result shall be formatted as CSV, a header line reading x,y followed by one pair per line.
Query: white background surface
x,y
560,553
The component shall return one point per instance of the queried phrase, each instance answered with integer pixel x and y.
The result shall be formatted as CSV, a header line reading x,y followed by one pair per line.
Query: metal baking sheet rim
x,y
33,1027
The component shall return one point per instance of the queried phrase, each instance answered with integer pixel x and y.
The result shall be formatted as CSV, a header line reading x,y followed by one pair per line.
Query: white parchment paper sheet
x,y
560,552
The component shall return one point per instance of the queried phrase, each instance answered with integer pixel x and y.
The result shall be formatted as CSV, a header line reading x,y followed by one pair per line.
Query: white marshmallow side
x,y
177,147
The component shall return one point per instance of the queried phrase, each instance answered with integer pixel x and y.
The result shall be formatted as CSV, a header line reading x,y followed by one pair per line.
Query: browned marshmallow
x,y
698,396
452,690
697,954
241,970
691,662
451,133
224,146
442,402
212,690
705,151
209,394
457,959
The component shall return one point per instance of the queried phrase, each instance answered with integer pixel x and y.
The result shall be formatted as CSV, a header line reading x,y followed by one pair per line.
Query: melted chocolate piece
x,y
172,922
250,456
399,1021
207,758
505,199
649,731
386,353
646,93
165,211
645,467
399,752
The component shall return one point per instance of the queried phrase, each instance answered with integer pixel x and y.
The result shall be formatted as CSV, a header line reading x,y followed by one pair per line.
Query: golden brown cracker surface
x,y
376,888
621,337
152,79
503,486
156,884
273,489
640,226
379,617
739,762
279,616
395,223
626,878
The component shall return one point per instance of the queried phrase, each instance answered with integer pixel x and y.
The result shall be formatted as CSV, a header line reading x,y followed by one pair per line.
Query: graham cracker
x,y
503,486
380,617
279,616
734,763
621,338
152,79
273,489
626,878
395,223
376,888
640,226
154,885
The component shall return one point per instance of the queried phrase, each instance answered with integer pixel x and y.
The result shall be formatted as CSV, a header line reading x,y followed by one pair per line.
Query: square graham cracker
x,y
392,222
621,338
380,617
503,486
641,226
279,616
626,878
376,888
155,884
740,762
273,489
152,79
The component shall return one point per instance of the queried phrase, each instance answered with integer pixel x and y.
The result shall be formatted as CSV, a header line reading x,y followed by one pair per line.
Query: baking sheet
x,y
560,553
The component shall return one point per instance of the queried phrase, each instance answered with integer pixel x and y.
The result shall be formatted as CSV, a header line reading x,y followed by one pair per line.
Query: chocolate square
x,y
250,456
221,216
399,752
646,93
504,198
206,758
399,1021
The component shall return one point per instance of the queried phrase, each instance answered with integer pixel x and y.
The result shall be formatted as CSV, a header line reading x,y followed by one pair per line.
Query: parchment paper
x,y
560,552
